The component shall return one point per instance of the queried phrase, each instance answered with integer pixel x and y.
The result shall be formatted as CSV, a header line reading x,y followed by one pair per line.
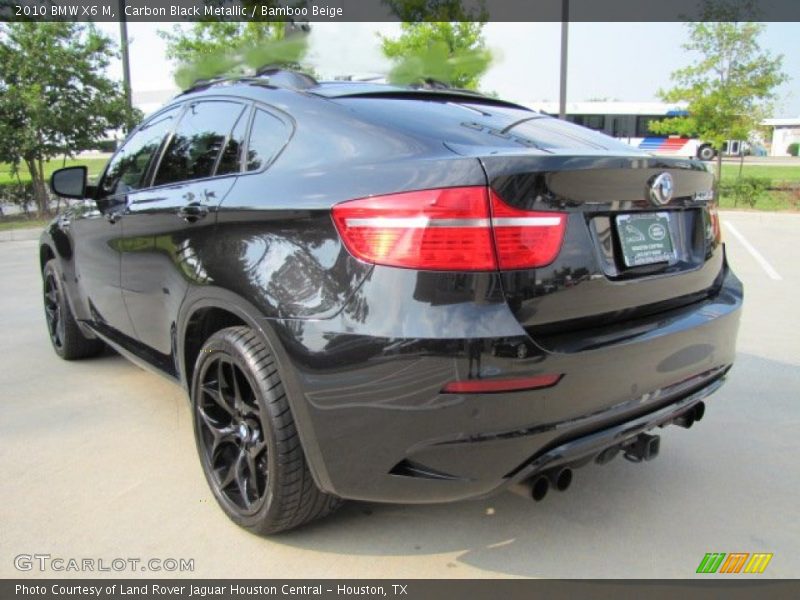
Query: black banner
x,y
415,589
400,10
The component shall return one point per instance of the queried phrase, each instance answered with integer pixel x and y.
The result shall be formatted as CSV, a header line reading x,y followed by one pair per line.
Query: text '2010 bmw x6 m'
x,y
394,294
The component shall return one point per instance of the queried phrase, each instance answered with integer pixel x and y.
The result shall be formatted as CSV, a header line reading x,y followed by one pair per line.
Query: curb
x,y
18,235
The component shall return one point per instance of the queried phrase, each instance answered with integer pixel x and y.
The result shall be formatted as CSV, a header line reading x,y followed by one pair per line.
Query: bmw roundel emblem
x,y
661,189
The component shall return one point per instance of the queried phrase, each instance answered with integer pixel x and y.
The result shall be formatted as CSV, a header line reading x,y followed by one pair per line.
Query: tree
x,y
730,87
55,98
451,52
218,48
441,40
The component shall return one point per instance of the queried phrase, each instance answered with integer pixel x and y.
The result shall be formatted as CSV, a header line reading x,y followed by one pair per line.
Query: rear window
x,y
549,133
464,123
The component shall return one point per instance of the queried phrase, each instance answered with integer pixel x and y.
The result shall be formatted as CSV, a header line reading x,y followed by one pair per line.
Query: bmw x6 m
x,y
394,294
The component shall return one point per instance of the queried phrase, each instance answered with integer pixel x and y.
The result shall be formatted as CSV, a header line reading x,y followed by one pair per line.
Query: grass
x,y
771,200
95,166
781,173
20,222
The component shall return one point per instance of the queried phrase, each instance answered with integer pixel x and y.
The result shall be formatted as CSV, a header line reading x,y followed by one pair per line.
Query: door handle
x,y
192,212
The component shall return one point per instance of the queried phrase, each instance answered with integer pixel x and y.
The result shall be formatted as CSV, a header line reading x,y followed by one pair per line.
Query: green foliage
x,y
437,10
793,149
451,52
20,193
747,190
55,98
215,49
731,84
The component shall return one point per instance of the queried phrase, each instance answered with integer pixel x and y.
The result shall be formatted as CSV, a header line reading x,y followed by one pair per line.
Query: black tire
x,y
706,152
246,437
65,335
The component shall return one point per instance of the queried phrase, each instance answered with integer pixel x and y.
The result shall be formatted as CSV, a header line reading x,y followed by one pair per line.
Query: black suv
x,y
394,294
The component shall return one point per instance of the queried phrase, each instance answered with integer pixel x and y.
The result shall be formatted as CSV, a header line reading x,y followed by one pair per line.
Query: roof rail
x,y
288,78
271,75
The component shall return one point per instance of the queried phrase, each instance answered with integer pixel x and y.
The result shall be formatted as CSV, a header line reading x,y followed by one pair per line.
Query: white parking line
x,y
768,269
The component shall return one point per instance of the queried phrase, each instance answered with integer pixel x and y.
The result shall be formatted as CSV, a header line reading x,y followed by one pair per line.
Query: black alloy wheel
x,y
68,340
249,446
231,429
52,310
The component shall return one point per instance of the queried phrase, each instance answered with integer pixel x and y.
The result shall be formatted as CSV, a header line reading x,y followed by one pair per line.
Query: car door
x,y
163,224
97,230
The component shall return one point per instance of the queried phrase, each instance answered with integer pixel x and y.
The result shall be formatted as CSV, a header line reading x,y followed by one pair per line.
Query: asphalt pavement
x,y
99,462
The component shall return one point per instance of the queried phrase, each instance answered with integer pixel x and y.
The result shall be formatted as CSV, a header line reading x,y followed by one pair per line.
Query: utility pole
x,y
562,97
126,64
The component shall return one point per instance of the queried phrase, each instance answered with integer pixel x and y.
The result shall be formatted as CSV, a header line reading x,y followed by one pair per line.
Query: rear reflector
x,y
493,386
448,229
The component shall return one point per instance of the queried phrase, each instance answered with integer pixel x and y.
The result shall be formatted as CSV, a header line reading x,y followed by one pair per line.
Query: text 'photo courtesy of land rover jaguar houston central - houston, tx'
x,y
394,294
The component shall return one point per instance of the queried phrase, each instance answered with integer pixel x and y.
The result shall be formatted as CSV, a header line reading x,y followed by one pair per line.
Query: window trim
x,y
248,103
287,120
146,177
168,140
246,113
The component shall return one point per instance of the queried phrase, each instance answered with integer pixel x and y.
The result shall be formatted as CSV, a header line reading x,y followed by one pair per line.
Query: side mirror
x,y
69,182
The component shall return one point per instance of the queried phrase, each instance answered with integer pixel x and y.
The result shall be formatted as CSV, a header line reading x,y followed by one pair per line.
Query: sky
x,y
618,61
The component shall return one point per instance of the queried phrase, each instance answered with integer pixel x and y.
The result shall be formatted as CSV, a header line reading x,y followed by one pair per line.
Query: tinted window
x,y
231,160
197,142
266,140
596,122
554,134
126,170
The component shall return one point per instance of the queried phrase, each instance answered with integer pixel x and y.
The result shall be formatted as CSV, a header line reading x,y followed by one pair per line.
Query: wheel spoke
x,y
241,480
230,475
237,393
61,324
257,449
252,478
225,386
221,434
216,395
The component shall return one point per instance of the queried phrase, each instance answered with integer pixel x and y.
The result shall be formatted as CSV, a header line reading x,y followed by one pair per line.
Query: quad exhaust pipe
x,y
537,487
643,447
691,416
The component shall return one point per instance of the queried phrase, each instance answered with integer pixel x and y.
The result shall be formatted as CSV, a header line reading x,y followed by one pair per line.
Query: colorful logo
x,y
735,562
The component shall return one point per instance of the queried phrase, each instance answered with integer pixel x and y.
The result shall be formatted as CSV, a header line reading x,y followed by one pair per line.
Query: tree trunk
x,y
741,161
719,171
40,196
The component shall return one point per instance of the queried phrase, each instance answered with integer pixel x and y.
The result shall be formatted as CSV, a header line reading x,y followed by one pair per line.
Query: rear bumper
x,y
376,427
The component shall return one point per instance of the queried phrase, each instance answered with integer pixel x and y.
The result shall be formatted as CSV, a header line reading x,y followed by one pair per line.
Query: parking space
x,y
99,461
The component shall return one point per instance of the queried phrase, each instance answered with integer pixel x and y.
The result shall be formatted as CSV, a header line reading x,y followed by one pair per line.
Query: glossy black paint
x,y
363,350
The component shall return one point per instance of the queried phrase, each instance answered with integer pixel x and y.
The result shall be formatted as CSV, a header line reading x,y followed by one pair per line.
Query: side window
x,y
128,167
198,140
266,139
231,159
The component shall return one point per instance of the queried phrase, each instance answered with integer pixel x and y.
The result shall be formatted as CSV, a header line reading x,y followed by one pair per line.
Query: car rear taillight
x,y
525,239
448,229
716,229
443,229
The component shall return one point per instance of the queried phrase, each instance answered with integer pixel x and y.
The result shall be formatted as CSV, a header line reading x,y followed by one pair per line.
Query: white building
x,y
784,133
